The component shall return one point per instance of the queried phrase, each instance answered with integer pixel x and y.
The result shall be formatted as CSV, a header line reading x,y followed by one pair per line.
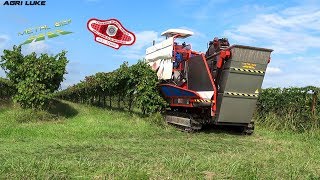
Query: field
x,y
90,142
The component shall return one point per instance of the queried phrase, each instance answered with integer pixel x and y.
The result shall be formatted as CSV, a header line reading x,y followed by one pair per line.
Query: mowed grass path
x,y
104,144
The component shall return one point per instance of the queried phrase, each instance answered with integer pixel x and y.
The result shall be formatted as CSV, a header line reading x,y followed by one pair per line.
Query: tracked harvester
x,y
219,87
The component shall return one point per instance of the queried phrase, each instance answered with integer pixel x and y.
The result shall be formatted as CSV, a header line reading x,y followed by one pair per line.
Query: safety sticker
x,y
241,94
249,70
203,100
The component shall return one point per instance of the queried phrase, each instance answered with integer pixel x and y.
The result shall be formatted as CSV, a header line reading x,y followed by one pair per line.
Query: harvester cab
x,y
219,87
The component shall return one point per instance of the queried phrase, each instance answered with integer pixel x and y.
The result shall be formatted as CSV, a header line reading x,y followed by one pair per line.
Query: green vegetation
x,y
35,78
296,109
6,88
133,86
68,140
89,142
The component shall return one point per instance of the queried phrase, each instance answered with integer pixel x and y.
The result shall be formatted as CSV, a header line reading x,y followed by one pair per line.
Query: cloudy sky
x,y
290,28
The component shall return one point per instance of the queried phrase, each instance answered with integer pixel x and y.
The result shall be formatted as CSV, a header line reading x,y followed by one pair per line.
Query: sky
x,y
290,28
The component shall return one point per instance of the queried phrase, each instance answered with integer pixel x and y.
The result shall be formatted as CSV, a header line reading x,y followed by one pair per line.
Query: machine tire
x,y
248,130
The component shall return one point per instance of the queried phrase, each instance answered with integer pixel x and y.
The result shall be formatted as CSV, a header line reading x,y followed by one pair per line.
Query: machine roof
x,y
182,32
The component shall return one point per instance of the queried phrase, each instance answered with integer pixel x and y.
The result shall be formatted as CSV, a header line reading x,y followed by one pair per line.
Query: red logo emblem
x,y
110,33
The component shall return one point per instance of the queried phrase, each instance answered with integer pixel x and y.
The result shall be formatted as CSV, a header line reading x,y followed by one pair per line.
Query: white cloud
x,y
298,71
292,30
291,79
37,47
3,40
144,39
294,35
238,38
273,70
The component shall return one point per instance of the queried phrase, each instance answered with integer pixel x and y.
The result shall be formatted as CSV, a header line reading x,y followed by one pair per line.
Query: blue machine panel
x,y
171,91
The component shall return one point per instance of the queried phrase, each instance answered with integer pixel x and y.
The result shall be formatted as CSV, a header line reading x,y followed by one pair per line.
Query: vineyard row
x,y
128,86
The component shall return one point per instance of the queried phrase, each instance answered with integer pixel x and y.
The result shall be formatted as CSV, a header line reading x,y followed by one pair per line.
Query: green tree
x,y
34,77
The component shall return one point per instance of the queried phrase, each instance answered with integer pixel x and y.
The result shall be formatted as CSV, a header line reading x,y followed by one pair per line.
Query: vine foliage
x,y
34,77
126,87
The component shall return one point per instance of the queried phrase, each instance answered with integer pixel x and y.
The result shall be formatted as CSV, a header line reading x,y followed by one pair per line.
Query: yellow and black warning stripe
x,y
241,94
249,70
203,100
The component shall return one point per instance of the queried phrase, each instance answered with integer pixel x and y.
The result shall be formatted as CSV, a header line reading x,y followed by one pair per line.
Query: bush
x,y
35,78
296,109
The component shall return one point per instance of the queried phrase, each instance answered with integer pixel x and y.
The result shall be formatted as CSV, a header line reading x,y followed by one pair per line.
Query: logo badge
x,y
39,33
110,33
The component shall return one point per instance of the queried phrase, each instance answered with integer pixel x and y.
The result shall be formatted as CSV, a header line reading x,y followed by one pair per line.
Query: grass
x,y
93,143
292,121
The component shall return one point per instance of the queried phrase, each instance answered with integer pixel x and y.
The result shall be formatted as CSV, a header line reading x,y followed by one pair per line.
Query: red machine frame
x,y
223,55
